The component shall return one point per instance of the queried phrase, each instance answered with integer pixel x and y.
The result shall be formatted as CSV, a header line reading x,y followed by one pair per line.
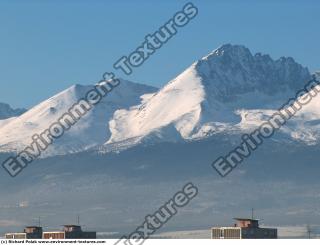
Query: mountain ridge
x,y
230,90
88,132
210,95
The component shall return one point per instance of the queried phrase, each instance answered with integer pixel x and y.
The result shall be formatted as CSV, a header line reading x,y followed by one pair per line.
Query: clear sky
x,y
46,46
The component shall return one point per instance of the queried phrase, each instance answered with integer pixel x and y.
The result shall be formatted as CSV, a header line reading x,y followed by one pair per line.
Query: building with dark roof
x,y
244,229
68,232
29,232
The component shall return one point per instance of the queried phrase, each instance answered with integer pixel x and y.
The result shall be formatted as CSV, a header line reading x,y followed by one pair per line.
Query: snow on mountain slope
x,y
304,126
213,95
90,131
230,90
6,111
180,98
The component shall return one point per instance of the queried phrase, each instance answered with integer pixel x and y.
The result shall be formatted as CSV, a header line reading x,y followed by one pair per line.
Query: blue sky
x,y
46,46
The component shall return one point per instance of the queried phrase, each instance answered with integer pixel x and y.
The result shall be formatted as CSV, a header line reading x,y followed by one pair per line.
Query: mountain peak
x,y
232,70
240,52
90,131
205,97
230,50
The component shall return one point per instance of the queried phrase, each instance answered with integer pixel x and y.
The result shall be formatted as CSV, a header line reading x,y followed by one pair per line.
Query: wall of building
x,y
267,233
243,233
226,233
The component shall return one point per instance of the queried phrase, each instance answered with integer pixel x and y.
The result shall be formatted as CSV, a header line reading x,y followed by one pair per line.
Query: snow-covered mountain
x,y
228,90
205,109
90,131
6,111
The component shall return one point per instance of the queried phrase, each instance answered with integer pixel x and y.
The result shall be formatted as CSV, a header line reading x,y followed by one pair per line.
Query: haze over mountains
x,y
229,90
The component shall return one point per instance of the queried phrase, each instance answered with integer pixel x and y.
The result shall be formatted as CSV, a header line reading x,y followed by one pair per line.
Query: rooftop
x,y
246,219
